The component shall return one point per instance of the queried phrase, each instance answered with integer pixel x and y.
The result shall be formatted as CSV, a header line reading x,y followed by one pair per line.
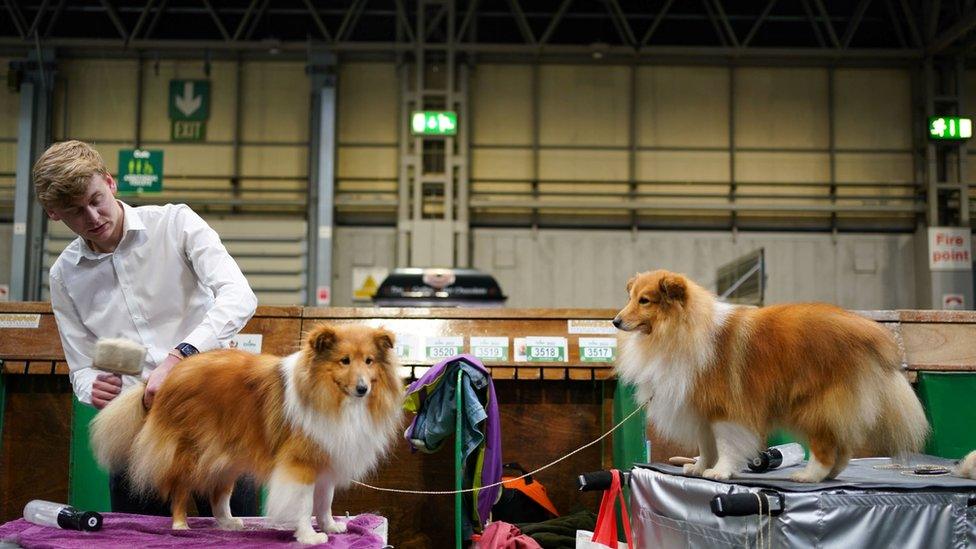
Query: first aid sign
x,y
950,249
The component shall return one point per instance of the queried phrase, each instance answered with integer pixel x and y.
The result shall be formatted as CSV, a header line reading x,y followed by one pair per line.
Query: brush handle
x,y
681,460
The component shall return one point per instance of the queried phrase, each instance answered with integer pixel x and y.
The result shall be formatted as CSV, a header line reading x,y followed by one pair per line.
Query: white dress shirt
x,y
170,280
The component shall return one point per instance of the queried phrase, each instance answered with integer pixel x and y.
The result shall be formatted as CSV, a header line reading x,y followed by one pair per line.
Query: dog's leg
x,y
843,457
707,453
736,445
290,493
324,490
179,497
823,458
220,504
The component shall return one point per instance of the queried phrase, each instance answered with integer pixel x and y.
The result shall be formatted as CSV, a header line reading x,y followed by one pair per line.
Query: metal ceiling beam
x,y
55,17
827,23
523,23
724,19
349,21
813,23
159,13
18,21
896,23
758,23
554,22
256,19
216,19
401,13
656,23
855,22
435,22
316,18
37,18
142,19
912,24
620,21
74,47
932,24
953,33
715,24
114,16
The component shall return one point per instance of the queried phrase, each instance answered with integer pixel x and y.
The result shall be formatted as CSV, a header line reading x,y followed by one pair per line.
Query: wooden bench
x,y
547,409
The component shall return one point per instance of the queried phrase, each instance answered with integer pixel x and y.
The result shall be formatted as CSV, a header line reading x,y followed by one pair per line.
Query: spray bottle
x,y
60,515
783,455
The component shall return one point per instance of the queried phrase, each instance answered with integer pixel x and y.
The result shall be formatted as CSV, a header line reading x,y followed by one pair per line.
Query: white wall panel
x,y
551,268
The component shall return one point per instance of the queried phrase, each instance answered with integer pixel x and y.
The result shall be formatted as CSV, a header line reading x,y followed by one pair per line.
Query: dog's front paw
x,y
694,469
717,474
329,525
312,538
230,523
806,476
180,525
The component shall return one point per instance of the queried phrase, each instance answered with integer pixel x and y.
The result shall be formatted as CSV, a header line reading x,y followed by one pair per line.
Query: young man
x,y
157,275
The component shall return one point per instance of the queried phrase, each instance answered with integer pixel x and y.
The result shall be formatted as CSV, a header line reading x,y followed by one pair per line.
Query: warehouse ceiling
x,y
593,29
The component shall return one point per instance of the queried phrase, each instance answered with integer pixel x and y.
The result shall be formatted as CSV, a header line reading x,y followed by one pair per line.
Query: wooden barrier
x,y
547,408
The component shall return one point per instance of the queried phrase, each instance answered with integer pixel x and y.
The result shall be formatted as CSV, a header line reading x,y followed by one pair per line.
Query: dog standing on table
x,y
720,376
305,424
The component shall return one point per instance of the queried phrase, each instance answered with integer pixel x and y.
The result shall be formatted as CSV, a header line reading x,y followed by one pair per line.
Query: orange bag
x,y
605,532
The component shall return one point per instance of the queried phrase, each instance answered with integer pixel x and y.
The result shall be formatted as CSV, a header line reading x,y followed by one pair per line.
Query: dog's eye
x,y
369,360
345,360
643,301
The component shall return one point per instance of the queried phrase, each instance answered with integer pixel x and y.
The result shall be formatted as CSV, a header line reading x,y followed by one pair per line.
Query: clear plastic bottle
x,y
61,515
783,455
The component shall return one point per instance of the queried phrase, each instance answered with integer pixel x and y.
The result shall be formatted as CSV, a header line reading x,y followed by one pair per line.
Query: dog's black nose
x,y
361,389
617,322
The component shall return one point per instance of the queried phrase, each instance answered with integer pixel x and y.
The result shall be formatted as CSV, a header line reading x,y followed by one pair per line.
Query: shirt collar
x,y
131,222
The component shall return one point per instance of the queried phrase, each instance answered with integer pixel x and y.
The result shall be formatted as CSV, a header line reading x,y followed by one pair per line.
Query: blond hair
x,y
63,172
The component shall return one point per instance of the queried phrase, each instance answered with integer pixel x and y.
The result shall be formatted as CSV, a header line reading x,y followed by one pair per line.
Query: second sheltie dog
x,y
304,425
720,376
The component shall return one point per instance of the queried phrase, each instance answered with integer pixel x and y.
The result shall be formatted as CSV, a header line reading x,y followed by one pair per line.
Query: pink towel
x,y
124,531
502,535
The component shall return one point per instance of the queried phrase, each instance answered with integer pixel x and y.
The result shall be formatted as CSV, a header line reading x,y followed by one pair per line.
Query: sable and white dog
x,y
719,377
305,425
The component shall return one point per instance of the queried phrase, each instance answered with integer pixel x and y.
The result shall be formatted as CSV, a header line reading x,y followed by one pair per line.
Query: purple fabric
x,y
124,531
491,471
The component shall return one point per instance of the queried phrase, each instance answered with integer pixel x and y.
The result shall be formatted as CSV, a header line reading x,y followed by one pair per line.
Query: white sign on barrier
x,y
950,249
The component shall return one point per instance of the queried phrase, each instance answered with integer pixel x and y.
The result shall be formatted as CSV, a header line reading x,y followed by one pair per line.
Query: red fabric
x,y
606,521
502,535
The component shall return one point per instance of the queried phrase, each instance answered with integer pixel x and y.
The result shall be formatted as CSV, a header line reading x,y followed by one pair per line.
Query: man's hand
x,y
156,379
105,388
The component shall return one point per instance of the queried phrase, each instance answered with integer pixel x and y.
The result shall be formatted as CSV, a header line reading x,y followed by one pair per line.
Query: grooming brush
x,y
119,356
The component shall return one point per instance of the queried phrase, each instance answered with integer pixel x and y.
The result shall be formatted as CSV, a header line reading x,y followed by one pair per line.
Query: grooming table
x,y
124,531
868,505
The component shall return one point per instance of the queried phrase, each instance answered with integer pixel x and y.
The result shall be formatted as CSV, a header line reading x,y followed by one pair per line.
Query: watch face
x,y
186,349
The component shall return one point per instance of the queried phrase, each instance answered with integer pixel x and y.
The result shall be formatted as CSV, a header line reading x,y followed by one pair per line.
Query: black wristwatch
x,y
186,349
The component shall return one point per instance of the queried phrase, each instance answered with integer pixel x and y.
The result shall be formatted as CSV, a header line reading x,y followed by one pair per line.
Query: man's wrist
x,y
185,350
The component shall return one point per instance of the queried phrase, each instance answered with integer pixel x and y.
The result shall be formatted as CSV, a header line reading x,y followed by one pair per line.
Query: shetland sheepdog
x,y
304,425
720,376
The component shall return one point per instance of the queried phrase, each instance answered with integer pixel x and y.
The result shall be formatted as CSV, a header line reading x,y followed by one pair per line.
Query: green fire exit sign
x,y
950,128
433,123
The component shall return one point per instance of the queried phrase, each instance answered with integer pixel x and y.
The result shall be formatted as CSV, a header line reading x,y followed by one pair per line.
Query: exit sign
x,y
950,128
433,123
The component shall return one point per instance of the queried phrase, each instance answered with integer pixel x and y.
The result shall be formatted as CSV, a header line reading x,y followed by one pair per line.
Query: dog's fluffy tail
x,y
115,428
902,427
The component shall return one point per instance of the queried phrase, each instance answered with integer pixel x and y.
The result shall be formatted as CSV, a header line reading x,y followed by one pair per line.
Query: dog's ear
x,y
673,288
322,338
384,339
631,282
